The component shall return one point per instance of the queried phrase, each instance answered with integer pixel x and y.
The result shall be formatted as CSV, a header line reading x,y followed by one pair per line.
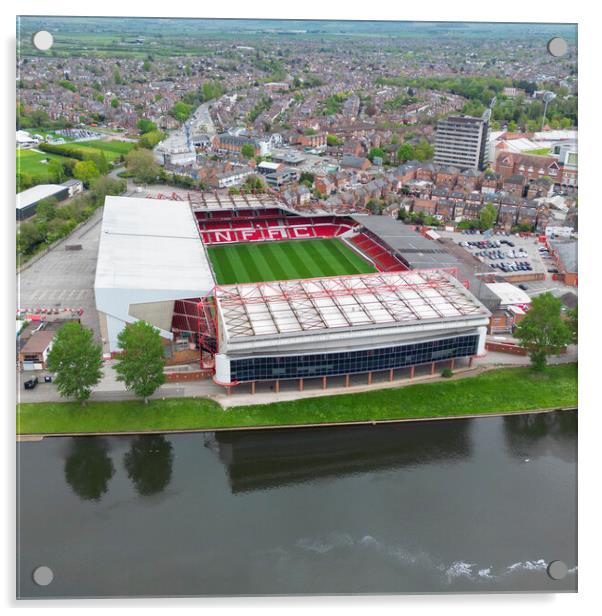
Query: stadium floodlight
x,y
547,98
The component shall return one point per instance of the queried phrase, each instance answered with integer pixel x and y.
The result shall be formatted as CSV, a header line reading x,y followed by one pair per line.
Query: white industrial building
x,y
150,255
28,200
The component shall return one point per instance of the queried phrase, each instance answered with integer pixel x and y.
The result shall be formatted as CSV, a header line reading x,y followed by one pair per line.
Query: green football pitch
x,y
258,262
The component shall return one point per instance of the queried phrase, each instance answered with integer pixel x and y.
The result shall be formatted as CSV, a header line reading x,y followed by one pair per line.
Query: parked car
x,y
524,287
30,383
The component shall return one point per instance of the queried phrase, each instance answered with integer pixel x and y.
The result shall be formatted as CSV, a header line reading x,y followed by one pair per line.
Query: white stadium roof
x,y
150,244
313,305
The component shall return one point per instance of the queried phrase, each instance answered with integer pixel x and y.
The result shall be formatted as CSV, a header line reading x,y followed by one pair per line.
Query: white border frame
x,y
590,415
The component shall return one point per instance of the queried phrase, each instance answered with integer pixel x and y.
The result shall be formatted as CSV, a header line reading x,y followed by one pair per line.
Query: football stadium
x,y
258,292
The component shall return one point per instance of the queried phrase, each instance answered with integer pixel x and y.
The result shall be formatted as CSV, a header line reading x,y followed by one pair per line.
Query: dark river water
x,y
466,505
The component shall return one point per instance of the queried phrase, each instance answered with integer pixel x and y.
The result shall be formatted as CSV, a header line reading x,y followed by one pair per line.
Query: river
x,y
467,505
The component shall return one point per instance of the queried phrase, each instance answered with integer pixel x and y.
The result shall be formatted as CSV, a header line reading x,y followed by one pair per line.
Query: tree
x,y
405,152
181,111
114,103
76,360
24,181
376,153
104,185
543,331
253,183
146,126
29,236
141,163
46,209
141,364
85,170
402,213
149,140
572,322
424,150
56,170
248,150
487,216
100,160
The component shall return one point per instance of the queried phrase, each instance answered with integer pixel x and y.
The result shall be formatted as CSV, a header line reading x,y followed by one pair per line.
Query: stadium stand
x,y
267,225
380,256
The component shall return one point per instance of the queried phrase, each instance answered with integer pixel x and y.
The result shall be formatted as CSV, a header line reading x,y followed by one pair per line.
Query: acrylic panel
x,y
297,307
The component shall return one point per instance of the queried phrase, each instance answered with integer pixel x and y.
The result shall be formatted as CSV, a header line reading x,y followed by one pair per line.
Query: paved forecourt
x,y
266,261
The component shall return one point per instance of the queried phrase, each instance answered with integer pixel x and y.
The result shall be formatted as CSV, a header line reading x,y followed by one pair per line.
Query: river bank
x,y
508,390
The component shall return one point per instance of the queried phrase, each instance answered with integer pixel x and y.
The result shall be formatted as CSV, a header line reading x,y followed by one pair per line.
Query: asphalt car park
x,y
506,253
62,280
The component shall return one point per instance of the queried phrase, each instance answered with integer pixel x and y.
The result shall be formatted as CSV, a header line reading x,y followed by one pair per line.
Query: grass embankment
x,y
508,389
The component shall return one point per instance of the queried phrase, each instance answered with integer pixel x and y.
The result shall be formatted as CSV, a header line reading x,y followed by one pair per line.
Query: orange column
x,y
470,362
391,374
453,363
300,384
277,386
369,378
412,372
323,382
432,367
346,380
252,387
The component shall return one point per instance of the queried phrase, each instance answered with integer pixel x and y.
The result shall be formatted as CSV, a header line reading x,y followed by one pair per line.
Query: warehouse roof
x,y
567,253
37,193
318,304
39,341
508,293
150,244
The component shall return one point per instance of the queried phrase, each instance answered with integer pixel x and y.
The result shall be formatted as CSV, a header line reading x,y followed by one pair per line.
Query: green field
x,y
29,161
290,260
112,149
495,391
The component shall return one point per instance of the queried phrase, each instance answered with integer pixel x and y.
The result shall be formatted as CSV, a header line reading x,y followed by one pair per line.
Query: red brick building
x,y
531,166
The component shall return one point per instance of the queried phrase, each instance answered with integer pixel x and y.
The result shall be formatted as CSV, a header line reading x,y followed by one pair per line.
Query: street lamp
x,y
547,97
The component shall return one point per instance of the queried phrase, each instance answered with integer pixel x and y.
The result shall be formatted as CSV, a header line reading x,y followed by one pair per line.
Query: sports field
x,y
290,260
30,161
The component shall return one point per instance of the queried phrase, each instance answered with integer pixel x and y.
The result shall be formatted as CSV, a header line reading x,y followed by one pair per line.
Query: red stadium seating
x,y
380,256
272,224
